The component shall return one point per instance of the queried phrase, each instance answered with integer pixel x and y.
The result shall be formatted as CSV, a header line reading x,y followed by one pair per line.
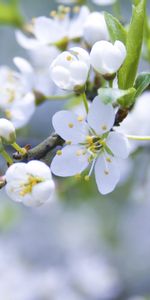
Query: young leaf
x,y
127,73
141,83
115,28
124,98
10,14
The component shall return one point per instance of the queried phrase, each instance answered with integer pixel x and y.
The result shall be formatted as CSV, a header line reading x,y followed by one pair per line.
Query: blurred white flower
x,y
137,121
107,58
7,131
95,28
29,183
16,98
70,69
104,2
50,31
95,279
90,143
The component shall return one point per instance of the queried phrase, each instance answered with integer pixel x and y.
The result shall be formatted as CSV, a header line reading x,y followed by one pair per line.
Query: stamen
x,y
106,172
108,159
78,176
68,142
59,152
87,178
104,127
80,118
70,125
69,58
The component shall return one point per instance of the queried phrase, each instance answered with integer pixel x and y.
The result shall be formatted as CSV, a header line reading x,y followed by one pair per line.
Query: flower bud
x,y
95,28
7,131
70,69
30,184
107,58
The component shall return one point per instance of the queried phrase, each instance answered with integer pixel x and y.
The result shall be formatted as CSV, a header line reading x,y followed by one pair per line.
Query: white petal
x,y
15,172
118,144
61,77
69,163
26,42
107,174
66,124
101,116
23,65
76,26
38,169
47,30
79,72
41,193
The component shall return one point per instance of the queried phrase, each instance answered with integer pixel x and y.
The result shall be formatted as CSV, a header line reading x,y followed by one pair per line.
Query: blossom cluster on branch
x,y
91,56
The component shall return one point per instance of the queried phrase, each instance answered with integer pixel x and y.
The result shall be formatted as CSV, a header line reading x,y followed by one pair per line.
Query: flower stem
x,y
22,151
85,102
138,137
7,157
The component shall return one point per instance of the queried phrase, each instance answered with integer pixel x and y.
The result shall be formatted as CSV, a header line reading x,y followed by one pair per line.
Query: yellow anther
x,y
103,143
53,13
87,178
80,118
76,9
69,57
89,139
67,9
70,125
27,187
78,176
59,152
79,152
8,114
68,142
106,172
104,127
108,159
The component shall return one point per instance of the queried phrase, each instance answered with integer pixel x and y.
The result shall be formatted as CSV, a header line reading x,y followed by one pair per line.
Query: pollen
x,y
69,57
104,127
78,176
59,152
53,13
89,139
87,178
79,152
8,114
68,142
106,172
70,125
80,118
108,159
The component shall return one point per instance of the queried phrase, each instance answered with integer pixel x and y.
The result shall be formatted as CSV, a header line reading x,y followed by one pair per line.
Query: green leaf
x,y
124,98
141,83
115,28
128,71
10,14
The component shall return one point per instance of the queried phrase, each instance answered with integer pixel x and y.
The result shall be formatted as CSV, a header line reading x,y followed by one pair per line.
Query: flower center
x,y
26,188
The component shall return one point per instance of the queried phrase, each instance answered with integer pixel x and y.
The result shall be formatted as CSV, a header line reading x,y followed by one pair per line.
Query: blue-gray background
x,y
35,245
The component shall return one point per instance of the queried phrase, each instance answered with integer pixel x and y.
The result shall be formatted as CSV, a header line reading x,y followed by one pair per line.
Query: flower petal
x,y
66,124
118,144
26,42
41,193
39,169
107,174
101,116
70,162
47,30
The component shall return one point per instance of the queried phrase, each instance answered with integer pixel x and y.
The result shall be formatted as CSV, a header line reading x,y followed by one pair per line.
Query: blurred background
x,y
83,246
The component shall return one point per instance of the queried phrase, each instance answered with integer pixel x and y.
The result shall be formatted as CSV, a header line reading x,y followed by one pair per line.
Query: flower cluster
x,y
89,54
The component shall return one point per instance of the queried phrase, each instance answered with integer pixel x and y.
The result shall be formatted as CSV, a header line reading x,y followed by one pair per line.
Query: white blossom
x,y
29,183
7,131
50,31
104,2
138,120
70,69
17,100
90,142
95,28
107,58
